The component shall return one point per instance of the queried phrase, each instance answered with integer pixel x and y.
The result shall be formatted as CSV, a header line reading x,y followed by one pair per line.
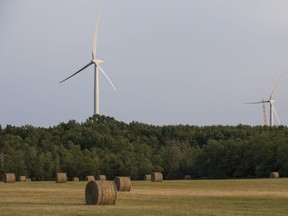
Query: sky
x,y
172,61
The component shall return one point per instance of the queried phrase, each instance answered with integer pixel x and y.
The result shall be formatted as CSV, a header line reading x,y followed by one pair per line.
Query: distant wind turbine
x,y
271,102
96,63
264,112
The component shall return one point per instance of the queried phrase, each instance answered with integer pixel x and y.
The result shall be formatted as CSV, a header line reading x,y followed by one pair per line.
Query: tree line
x,y
103,145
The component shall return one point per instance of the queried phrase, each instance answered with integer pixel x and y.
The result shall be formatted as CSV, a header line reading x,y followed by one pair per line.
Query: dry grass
x,y
189,197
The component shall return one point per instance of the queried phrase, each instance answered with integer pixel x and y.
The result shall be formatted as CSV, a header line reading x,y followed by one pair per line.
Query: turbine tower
x,y
96,63
271,102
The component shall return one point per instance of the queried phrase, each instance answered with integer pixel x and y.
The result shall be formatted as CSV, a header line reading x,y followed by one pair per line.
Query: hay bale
x,y
22,178
61,177
90,178
28,179
187,177
274,175
101,177
123,183
100,193
156,177
76,179
9,178
147,177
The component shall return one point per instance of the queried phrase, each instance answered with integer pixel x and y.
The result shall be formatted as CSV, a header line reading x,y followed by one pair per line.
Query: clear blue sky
x,y
172,62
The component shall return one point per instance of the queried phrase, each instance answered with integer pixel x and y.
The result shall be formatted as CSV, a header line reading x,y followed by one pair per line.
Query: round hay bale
x,y
156,177
22,178
147,177
75,179
123,183
90,178
101,177
61,177
100,193
274,175
187,177
9,178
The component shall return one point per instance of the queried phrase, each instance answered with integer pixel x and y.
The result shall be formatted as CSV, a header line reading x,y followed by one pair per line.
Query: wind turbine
x,y
96,63
271,102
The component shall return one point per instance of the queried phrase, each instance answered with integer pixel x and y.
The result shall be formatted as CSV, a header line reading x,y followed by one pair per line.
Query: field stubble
x,y
189,197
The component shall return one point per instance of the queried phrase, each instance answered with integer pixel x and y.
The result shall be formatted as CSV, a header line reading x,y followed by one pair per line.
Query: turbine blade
x,y
95,39
274,88
258,102
106,77
274,110
77,72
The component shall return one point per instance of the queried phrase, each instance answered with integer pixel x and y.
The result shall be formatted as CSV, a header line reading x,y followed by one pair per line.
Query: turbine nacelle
x,y
97,61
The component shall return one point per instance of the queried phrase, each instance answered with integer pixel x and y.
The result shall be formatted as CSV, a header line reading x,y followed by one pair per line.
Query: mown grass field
x,y
189,197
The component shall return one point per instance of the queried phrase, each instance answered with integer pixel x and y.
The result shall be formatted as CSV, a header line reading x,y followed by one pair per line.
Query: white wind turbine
x,y
271,102
96,63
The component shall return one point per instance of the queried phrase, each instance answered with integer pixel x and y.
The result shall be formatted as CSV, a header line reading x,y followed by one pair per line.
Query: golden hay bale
x,y
61,177
9,178
123,183
187,177
22,178
156,177
90,178
147,177
101,177
101,193
274,175
75,179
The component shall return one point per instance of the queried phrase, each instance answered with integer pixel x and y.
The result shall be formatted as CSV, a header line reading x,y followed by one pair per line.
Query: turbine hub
x,y
272,101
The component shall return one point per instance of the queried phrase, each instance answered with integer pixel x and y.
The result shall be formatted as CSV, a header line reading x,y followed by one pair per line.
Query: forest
x,y
103,145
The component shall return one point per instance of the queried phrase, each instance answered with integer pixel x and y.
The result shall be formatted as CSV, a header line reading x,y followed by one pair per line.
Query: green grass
x,y
194,197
